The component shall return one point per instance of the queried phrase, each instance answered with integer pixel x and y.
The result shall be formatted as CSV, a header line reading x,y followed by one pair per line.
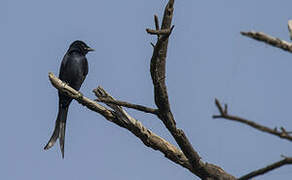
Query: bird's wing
x,y
85,69
63,67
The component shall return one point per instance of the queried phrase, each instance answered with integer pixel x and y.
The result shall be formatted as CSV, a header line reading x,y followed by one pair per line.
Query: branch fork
x,y
224,115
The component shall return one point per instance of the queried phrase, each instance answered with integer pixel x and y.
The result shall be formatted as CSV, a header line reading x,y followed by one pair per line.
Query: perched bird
x,y
74,68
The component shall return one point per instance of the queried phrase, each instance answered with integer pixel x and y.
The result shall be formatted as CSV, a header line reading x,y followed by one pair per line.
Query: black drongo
x,y
74,68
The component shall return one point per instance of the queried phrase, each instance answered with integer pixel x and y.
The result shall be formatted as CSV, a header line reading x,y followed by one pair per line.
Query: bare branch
x,y
266,169
260,36
126,104
282,134
158,60
157,70
122,119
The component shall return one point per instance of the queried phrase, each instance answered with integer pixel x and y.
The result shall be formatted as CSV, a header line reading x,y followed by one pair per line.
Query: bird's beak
x,y
90,49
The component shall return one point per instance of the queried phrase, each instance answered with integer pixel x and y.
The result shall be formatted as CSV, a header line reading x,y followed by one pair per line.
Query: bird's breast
x,y
73,72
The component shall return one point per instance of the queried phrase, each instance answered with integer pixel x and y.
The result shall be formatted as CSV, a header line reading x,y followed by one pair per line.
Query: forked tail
x,y
59,131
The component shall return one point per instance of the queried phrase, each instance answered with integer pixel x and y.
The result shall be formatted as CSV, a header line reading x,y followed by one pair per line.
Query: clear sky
x,y
207,58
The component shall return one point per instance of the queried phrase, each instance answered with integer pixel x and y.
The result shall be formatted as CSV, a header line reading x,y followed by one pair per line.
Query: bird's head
x,y
80,46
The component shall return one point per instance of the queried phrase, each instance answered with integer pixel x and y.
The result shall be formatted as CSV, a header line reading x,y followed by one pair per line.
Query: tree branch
x,y
260,36
157,70
224,115
122,119
285,161
128,105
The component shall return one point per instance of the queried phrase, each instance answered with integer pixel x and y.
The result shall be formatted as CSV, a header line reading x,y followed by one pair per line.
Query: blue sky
x,y
207,58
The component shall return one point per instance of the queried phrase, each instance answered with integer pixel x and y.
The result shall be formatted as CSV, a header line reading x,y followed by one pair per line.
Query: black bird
x,y
74,68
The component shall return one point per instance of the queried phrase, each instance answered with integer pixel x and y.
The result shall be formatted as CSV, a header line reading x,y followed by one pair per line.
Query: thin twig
x,y
128,105
282,134
217,103
285,161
